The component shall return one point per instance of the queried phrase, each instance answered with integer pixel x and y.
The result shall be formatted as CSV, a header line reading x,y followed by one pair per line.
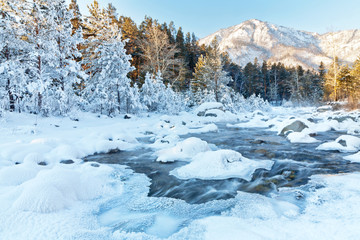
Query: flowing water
x,y
161,204
293,165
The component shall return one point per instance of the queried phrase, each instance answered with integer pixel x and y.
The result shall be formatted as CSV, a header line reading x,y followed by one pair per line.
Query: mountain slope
x,y
275,43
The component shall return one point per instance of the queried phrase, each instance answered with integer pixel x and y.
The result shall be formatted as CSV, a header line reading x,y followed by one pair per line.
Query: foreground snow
x,y
48,192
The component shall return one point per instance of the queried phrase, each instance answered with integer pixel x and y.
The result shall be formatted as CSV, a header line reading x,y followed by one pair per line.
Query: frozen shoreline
x,y
38,192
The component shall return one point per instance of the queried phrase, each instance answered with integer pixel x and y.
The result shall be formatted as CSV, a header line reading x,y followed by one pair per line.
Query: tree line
x,y
53,59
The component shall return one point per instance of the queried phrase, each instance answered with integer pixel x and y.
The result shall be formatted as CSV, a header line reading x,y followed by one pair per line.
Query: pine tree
x,y
209,72
345,84
76,19
68,72
355,75
109,90
332,81
131,34
12,72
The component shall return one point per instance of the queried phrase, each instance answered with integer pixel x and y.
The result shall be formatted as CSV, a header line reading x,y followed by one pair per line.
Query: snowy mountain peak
x,y
274,43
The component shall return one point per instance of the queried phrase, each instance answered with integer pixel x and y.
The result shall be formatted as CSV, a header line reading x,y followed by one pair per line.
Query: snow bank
x,y
344,143
59,187
183,150
220,164
327,214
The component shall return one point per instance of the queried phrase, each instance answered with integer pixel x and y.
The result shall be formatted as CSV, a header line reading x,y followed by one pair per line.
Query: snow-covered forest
x,y
52,65
115,130
55,61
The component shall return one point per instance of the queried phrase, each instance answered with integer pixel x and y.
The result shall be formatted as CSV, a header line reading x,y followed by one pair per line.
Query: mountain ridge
x,y
274,43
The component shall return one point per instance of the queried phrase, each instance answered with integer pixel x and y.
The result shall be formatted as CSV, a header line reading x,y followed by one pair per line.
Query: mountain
x,y
274,43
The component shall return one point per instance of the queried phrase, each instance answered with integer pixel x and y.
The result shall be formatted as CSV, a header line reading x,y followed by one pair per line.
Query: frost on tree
x,y
42,52
209,77
109,90
12,79
157,97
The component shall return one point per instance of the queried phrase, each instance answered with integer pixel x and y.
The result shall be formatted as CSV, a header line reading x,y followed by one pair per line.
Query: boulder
x,y
67,161
324,108
203,108
296,126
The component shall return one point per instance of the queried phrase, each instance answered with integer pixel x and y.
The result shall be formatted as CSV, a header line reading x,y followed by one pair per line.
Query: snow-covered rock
x,y
296,126
344,143
203,108
220,164
183,150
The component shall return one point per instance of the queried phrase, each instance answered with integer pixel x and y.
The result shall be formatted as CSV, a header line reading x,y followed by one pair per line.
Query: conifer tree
x,y
131,34
109,89
76,19
332,81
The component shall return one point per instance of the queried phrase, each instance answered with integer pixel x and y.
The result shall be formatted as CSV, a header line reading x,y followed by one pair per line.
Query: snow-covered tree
x,y
12,79
151,91
68,72
109,90
209,74
157,97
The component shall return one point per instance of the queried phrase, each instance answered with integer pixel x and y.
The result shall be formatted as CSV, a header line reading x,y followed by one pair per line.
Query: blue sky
x,y
204,17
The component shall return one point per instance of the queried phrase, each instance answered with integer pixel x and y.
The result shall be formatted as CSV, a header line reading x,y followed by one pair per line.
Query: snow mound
x,y
354,158
220,164
207,128
344,143
59,188
17,174
200,111
183,150
301,137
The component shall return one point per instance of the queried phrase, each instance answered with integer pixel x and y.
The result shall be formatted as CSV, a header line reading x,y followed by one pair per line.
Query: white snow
x,y
183,150
207,106
220,164
98,201
354,158
300,137
344,143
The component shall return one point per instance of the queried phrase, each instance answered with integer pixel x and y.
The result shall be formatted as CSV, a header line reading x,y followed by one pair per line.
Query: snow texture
x,y
220,164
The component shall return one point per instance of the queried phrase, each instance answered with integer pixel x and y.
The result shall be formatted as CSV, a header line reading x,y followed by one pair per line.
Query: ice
x,y
96,201
164,226
220,164
183,150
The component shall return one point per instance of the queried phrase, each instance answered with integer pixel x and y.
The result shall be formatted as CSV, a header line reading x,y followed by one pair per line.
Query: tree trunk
x,y
118,97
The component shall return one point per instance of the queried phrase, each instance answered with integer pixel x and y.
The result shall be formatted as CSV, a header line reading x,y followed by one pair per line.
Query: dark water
x,y
293,164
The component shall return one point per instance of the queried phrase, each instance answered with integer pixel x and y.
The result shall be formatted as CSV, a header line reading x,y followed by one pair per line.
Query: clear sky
x,y
204,17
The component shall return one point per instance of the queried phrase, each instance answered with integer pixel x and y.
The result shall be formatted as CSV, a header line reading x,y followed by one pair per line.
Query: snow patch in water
x,y
220,164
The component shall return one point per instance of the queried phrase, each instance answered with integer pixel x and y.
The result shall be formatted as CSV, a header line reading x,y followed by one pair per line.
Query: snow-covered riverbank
x,y
48,192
